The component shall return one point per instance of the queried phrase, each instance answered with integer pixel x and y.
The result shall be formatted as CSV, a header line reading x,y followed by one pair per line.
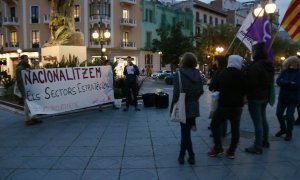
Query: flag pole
x,y
230,44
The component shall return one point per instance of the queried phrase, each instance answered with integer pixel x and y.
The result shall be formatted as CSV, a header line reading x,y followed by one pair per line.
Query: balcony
x,y
97,18
46,19
128,45
131,2
98,45
10,21
12,45
128,22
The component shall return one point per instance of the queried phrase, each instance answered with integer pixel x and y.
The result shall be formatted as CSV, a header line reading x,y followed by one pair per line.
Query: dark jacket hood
x,y
191,73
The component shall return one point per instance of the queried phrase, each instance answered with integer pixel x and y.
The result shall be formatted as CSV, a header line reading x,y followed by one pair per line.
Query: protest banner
x,y
50,91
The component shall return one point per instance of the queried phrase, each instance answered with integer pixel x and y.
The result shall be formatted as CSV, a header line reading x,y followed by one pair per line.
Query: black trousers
x,y
221,115
186,141
131,92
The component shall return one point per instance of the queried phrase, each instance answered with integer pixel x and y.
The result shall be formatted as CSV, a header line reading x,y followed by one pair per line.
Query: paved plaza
x,y
112,144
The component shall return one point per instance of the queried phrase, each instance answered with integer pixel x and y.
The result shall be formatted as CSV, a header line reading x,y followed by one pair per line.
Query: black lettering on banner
x,y
47,94
84,73
39,75
27,77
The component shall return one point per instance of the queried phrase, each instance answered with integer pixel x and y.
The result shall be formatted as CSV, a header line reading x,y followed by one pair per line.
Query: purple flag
x,y
260,31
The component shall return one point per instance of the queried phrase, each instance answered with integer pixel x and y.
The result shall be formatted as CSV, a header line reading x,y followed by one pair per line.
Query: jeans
x,y
186,141
223,114
290,110
131,92
257,110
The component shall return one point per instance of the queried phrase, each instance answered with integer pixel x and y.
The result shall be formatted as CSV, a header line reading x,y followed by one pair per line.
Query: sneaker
x,y
280,133
191,160
254,150
266,144
230,154
215,152
181,159
288,137
297,122
194,128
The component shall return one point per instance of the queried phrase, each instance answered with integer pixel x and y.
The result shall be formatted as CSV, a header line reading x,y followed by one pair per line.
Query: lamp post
x,y
160,54
219,50
101,34
19,51
270,8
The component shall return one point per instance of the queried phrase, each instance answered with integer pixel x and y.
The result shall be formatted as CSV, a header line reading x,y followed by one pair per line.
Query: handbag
x,y
178,112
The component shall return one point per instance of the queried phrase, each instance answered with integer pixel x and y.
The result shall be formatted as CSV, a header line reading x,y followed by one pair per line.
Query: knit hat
x,y
235,61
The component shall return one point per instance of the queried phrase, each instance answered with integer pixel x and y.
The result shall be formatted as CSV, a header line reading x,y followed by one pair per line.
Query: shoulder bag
x,y
178,112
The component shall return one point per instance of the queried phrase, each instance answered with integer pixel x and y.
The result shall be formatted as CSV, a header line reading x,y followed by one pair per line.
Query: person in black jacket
x,y
231,85
289,95
131,72
193,87
260,78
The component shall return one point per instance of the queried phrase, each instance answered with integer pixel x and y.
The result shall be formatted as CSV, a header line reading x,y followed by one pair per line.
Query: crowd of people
x,y
233,85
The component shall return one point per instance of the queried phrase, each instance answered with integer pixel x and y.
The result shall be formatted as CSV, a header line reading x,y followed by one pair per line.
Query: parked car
x,y
169,79
156,74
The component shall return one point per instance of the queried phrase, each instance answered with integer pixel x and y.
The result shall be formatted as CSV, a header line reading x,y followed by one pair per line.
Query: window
x,y
125,37
148,62
150,16
35,39
13,12
2,40
146,15
216,21
77,30
13,37
222,21
210,20
76,13
205,18
125,14
148,39
197,17
34,14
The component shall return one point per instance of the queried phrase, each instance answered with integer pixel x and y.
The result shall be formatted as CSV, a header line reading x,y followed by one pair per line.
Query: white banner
x,y
242,33
57,90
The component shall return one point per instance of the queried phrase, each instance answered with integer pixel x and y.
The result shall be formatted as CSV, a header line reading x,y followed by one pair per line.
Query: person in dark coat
x,y
131,73
289,96
260,78
23,65
193,87
221,63
231,85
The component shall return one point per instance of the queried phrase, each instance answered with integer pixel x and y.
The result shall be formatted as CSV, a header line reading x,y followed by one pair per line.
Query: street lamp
x,y
298,53
282,58
19,51
102,34
160,54
219,50
270,8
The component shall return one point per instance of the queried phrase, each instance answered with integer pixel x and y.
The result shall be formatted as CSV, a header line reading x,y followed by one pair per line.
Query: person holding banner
x,y
131,72
23,65
260,77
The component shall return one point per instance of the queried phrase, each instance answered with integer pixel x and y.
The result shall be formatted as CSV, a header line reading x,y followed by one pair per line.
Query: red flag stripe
x,y
296,35
291,8
293,23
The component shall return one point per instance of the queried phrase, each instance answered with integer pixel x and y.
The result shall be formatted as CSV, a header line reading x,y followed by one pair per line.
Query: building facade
x,y
25,28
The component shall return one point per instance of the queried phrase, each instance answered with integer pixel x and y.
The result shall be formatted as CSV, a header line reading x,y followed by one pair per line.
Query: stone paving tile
x,y
177,173
106,174
251,172
105,163
24,174
138,162
79,151
38,162
51,151
138,151
63,175
145,174
109,150
71,163
5,172
214,172
282,170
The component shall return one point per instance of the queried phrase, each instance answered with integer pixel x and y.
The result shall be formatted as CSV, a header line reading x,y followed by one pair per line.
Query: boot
x,y
288,136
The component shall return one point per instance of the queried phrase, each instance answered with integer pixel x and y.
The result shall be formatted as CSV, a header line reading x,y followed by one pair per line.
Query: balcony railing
x,y
98,45
128,45
12,44
10,21
128,1
98,18
128,22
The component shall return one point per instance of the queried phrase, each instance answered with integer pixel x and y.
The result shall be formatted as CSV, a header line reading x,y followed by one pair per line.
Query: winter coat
x,y
289,83
231,85
21,66
192,86
260,77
